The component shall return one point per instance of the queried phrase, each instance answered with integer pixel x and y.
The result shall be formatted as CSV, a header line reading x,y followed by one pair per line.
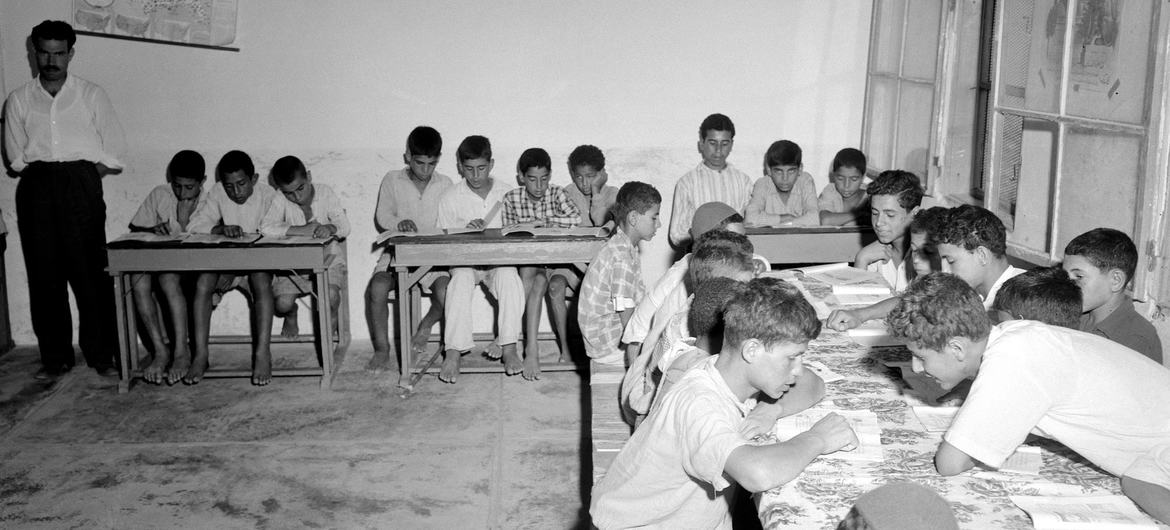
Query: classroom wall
x,y
342,86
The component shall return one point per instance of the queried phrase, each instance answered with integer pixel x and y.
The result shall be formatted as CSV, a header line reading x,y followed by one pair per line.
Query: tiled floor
x,y
489,452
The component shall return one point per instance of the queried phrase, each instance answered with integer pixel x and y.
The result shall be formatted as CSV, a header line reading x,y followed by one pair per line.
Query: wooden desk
x,y
415,256
814,244
127,258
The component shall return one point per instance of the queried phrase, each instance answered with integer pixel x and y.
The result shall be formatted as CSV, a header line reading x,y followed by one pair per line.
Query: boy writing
x,y
472,203
613,284
894,198
1043,294
785,195
408,200
536,201
589,191
1099,398
843,201
713,180
1102,262
167,210
676,468
304,209
235,206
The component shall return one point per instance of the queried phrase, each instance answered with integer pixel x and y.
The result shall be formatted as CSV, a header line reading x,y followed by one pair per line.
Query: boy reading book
x,y
843,201
785,195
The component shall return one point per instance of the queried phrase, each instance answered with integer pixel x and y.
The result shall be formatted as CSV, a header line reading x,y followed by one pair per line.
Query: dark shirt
x,y
1126,327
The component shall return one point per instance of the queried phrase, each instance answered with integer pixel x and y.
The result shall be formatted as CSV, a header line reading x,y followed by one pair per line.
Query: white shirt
x,y
283,214
161,206
1101,399
459,206
670,472
1008,273
220,208
766,206
638,327
400,200
898,276
701,186
78,124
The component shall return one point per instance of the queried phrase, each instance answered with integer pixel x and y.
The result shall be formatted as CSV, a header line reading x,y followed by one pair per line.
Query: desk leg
x,y
402,296
123,341
325,333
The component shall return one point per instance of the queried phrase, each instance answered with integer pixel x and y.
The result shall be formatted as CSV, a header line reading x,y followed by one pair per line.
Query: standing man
x,y
61,137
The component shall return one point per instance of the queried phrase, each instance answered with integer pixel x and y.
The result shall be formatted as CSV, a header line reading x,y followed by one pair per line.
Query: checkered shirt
x,y
554,208
613,283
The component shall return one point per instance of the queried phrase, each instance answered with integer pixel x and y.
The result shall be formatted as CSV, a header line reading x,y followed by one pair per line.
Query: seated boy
x,y
785,195
408,201
843,201
589,191
676,468
713,180
703,321
304,209
543,204
472,203
923,254
1102,262
613,284
1099,398
168,210
235,206
1043,294
894,198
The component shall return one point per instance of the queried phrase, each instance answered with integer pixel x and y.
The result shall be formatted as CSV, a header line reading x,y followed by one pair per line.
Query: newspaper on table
x,y
864,423
1105,512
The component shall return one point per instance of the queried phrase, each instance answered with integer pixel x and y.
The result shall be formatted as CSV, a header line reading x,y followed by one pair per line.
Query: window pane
x,y
887,26
914,128
1030,62
920,52
1108,73
1100,183
1027,179
880,124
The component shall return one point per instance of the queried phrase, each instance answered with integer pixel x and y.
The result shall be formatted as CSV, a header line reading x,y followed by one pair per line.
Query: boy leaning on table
x,y
1103,400
676,469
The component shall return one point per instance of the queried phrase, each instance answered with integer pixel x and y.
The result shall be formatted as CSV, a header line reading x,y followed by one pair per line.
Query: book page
x,y
1105,512
1027,460
293,240
217,239
399,233
149,237
864,423
935,419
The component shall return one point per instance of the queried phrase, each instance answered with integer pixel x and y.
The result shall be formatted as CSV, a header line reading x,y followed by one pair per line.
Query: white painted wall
x,y
342,87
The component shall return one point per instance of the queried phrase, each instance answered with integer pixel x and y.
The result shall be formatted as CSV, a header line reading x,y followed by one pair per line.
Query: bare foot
x,y
290,329
450,370
379,363
418,343
492,351
154,373
512,363
262,369
531,366
195,371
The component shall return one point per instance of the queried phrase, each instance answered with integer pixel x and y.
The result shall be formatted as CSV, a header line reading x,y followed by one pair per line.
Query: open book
x,y
149,237
217,239
864,423
1104,512
437,232
530,230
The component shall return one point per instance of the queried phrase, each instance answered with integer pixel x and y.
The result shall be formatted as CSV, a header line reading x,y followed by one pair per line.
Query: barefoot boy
x,y
785,195
168,210
543,204
713,180
589,190
235,206
473,204
304,209
1099,398
408,200
676,469
843,201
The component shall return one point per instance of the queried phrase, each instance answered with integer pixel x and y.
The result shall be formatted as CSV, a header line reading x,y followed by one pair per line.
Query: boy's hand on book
x,y
476,224
406,225
323,231
835,432
233,231
843,319
162,229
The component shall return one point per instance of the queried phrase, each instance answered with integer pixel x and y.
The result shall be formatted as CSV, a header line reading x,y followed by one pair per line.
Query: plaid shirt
x,y
554,208
612,284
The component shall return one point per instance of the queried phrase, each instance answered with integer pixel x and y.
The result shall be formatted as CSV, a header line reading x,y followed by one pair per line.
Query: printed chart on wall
x,y
201,22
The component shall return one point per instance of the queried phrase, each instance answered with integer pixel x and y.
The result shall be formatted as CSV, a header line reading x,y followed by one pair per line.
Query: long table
x,y
129,257
812,244
414,256
825,492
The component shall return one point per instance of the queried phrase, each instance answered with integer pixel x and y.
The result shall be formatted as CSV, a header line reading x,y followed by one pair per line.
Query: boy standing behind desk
x,y
713,180
546,205
785,195
235,206
589,190
311,210
408,201
168,210
843,201
473,203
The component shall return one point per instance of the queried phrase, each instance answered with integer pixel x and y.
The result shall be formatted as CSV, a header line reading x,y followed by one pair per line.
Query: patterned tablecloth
x,y
825,492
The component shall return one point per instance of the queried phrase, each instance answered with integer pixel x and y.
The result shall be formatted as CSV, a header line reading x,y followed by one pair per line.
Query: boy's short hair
x,y
770,311
1046,294
783,153
705,317
533,157
902,184
286,169
54,30
713,216
716,122
936,308
472,147
587,155
972,227
723,253
187,164
634,196
927,221
850,157
232,162
1106,249
424,141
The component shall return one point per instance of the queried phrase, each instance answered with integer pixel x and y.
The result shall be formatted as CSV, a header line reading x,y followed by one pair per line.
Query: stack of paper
x,y
874,333
864,423
1105,512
